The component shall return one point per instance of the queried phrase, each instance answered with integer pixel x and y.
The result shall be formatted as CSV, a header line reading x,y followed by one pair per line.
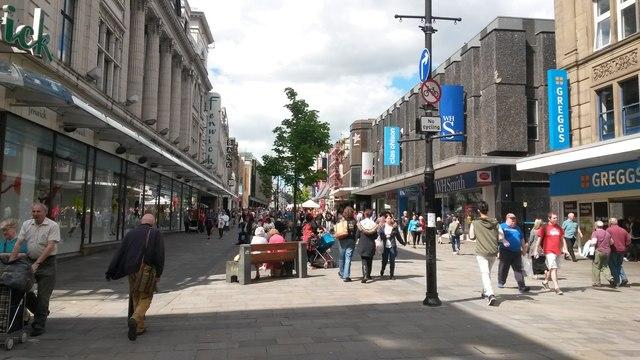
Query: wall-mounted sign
x,y
367,166
464,181
452,113
212,117
24,37
231,147
612,177
391,146
559,121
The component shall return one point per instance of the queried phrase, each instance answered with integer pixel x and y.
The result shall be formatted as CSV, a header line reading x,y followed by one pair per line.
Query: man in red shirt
x,y
551,238
621,242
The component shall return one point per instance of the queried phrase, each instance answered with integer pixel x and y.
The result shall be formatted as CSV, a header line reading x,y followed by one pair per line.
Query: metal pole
x,y
431,298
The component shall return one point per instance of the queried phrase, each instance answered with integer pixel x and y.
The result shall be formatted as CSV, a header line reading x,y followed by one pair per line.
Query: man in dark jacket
x,y
141,255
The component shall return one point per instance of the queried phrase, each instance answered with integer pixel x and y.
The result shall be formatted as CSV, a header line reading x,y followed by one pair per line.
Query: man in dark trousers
x,y
141,258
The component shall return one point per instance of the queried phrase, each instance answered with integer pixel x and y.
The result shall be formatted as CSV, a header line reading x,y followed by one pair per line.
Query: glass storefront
x,y
133,196
68,191
94,196
106,206
164,204
26,168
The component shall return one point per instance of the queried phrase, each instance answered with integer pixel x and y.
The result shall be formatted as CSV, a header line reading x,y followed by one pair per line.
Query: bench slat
x,y
290,246
267,257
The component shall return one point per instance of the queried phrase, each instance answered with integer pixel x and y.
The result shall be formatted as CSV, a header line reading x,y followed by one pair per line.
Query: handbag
x,y
341,230
458,230
379,244
145,281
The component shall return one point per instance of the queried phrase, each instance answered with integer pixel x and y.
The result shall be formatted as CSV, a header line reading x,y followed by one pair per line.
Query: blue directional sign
x,y
424,65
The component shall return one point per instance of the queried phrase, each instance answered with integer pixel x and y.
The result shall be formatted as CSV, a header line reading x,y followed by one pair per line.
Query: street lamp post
x,y
431,298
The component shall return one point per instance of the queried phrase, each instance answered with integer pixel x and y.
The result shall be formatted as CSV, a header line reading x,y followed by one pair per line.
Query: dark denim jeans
x,y
455,243
389,255
347,246
615,265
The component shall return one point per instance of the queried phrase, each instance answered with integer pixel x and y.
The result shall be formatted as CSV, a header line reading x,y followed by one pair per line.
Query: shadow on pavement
x,y
390,330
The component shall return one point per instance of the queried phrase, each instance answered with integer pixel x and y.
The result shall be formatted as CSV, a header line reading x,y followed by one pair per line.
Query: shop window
x,y
26,169
602,19
106,205
165,209
134,199
532,120
605,113
151,192
630,106
627,18
66,34
68,194
176,205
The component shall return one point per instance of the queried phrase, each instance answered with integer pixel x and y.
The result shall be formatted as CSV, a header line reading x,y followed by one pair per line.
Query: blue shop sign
x,y
464,181
559,121
391,146
452,113
612,177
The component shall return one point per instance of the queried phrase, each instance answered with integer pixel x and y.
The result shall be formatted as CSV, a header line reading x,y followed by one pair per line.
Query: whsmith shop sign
x,y
613,177
464,181
24,37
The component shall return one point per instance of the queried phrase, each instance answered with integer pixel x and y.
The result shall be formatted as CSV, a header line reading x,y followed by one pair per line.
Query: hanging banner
x,y
391,146
559,121
367,166
212,117
452,113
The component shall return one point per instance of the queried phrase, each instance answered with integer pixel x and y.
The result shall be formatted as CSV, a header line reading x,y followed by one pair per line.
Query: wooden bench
x,y
240,270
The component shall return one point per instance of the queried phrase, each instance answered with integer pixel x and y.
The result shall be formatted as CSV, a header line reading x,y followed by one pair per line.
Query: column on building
x,y
136,57
164,87
151,74
185,109
176,99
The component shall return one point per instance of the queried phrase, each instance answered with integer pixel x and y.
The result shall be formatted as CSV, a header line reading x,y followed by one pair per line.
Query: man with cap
x,y
511,250
141,258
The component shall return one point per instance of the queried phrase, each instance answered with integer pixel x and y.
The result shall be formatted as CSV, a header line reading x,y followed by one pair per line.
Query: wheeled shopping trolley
x,y
12,308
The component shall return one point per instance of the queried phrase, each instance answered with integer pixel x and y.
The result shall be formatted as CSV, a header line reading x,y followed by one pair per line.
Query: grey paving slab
x,y
197,315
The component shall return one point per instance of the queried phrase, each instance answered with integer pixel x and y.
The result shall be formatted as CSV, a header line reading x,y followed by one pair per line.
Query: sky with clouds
x,y
349,59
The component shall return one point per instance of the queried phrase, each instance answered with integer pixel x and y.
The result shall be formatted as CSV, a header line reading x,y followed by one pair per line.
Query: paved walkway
x,y
197,315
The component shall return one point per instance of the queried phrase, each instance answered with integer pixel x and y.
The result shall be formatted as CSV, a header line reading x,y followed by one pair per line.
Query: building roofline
x,y
199,15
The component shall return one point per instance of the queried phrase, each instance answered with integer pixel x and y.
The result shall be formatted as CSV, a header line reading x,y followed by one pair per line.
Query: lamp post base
x,y
432,300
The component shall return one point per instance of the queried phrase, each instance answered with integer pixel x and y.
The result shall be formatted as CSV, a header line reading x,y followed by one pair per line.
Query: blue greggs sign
x,y
452,112
559,121
612,177
391,146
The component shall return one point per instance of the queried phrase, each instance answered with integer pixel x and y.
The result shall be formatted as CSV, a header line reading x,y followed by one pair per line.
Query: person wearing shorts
x,y
551,238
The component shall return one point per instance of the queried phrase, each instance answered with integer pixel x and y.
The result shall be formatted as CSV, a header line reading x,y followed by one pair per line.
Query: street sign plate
x,y
424,64
430,91
430,124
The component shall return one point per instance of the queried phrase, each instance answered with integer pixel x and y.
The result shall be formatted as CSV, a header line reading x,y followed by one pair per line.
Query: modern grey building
x,y
503,72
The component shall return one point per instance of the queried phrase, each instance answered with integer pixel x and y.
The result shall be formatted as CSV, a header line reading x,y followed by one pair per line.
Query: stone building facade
x,y
503,72
112,125
597,43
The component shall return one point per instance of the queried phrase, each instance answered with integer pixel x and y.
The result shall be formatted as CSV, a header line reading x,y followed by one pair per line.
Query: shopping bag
x,y
527,265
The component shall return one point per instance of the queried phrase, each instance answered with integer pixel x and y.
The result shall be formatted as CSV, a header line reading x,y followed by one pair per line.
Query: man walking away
x,y
571,229
601,256
485,231
551,237
511,252
141,258
42,236
621,242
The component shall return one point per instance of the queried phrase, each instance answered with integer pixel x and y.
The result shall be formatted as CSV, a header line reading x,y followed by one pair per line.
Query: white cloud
x,y
340,56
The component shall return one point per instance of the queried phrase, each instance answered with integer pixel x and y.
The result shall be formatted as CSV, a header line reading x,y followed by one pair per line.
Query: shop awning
x,y
324,191
340,192
453,166
29,88
601,153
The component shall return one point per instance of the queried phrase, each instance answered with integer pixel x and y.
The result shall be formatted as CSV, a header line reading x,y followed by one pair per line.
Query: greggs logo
x,y
584,181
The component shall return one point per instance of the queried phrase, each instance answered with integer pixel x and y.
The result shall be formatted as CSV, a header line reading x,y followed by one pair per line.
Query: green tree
x,y
303,195
299,140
